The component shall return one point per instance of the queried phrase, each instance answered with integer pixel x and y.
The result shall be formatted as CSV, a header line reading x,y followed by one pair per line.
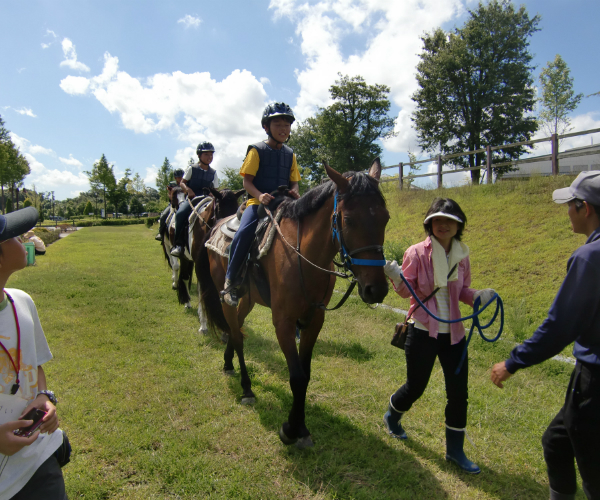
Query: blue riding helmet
x,y
203,147
276,109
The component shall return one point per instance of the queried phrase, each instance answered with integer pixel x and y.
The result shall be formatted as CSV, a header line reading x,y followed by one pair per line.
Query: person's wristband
x,y
50,395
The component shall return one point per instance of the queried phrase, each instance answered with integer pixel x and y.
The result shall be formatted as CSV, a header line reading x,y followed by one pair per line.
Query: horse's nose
x,y
374,294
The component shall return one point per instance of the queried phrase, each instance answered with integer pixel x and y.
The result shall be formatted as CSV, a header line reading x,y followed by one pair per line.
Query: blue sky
x,y
141,81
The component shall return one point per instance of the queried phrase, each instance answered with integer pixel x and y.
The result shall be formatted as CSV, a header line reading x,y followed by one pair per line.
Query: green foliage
x,y
231,179
163,177
394,249
345,133
150,221
9,205
136,206
102,180
27,202
88,209
558,98
476,87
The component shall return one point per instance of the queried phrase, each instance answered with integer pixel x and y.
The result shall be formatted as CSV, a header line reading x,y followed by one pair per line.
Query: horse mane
x,y
361,184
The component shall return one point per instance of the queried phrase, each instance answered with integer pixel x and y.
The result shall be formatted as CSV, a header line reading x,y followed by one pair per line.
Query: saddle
x,y
220,242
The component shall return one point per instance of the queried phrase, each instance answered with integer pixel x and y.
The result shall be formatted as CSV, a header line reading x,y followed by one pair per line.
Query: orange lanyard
x,y
17,365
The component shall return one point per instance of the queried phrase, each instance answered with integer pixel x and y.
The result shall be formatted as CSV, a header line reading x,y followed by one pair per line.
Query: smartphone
x,y
35,415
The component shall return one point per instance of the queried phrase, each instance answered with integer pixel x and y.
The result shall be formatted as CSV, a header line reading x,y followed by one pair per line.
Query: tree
x,y
163,177
27,203
136,185
345,133
475,86
13,167
558,98
136,207
3,131
102,179
120,196
88,208
231,179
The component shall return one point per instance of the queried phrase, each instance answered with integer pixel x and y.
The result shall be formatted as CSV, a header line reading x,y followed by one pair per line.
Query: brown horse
x,y
176,196
350,205
224,204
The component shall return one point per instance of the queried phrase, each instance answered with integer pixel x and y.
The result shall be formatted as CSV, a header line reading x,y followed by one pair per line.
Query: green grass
x,y
150,415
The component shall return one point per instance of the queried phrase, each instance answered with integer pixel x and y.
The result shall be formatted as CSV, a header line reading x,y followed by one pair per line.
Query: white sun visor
x,y
442,214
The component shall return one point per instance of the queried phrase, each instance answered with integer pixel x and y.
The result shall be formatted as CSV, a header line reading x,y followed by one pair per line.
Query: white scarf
x,y
443,264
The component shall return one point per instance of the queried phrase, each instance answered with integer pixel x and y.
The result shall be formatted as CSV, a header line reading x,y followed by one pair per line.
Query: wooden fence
x,y
555,156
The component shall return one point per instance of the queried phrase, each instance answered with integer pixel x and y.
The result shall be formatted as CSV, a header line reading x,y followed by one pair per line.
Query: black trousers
x,y
421,351
574,434
46,484
162,222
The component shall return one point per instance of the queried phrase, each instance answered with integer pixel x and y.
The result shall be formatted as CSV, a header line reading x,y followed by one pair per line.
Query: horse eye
x,y
348,221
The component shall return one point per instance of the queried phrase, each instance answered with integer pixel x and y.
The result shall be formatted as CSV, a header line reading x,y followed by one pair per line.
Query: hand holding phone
x,y
34,414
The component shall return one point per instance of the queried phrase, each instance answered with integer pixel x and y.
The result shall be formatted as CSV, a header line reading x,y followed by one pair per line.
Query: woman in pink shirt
x,y
439,262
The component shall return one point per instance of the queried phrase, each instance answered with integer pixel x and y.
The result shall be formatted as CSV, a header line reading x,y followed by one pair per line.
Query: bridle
x,y
345,255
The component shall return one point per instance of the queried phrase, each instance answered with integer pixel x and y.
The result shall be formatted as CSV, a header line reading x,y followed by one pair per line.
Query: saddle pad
x,y
219,242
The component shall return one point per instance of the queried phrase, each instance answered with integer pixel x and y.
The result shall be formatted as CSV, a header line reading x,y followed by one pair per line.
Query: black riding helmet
x,y
178,172
204,146
276,109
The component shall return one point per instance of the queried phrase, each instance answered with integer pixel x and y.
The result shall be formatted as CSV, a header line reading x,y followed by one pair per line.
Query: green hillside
x,y
151,416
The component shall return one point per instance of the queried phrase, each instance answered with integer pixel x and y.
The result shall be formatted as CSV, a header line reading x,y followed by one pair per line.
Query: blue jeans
x,y
240,246
181,220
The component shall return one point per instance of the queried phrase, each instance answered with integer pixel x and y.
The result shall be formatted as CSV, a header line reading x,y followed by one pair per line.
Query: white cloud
x,y
264,81
40,150
391,31
45,45
177,102
71,57
74,162
190,21
150,177
51,33
26,111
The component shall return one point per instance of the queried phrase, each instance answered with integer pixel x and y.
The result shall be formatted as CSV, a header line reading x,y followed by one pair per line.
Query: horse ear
x,y
341,182
375,170
216,193
239,192
206,191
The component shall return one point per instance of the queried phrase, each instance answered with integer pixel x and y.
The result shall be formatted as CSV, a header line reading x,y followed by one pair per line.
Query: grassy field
x,y
150,415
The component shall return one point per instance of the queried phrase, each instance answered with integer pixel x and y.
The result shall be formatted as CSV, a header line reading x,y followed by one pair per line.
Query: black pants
x,y
421,351
162,222
46,484
574,434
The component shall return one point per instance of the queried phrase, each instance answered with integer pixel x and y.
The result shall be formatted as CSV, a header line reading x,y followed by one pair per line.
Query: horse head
x,y
359,221
226,202
177,195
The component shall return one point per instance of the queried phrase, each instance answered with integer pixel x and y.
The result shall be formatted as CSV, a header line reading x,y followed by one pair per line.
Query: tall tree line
x,y
13,166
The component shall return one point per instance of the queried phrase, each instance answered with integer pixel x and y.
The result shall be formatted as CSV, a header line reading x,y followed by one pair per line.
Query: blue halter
x,y
346,256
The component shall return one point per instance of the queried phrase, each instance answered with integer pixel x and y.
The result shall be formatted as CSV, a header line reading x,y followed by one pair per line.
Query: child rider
x,y
268,165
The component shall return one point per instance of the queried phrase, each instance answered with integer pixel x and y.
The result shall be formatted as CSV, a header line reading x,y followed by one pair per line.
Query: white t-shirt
x,y
188,175
17,469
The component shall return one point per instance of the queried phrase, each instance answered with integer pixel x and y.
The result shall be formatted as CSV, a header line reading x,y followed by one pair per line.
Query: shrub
x,y
150,221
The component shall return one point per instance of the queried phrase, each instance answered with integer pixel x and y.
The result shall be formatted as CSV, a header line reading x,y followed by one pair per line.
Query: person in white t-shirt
x,y
30,467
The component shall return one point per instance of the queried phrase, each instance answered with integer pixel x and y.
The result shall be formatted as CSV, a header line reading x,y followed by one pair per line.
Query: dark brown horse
x,y
351,203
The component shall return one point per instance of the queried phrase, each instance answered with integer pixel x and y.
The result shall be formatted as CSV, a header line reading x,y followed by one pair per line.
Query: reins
x,y
474,316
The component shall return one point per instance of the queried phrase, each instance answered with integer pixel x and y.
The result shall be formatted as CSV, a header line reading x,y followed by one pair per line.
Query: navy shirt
x,y
574,315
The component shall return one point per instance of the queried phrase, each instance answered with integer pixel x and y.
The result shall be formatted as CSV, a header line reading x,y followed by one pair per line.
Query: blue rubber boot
x,y
391,421
455,440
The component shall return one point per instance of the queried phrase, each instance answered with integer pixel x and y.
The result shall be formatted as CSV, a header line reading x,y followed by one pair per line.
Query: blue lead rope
x,y
474,316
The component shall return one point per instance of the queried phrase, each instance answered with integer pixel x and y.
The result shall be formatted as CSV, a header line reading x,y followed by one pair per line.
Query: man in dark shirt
x,y
574,434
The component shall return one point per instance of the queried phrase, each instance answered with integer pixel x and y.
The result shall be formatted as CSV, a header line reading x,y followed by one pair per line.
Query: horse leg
x,y
294,429
201,313
236,340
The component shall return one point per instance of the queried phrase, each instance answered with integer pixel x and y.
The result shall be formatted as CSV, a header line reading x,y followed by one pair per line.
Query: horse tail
x,y
209,294
162,244
186,268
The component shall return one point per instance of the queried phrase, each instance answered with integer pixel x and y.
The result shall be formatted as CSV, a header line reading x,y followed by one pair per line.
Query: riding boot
x,y
158,237
391,421
177,251
555,495
229,294
455,440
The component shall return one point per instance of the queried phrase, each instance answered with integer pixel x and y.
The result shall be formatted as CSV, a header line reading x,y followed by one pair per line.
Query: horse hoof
x,y
230,373
203,331
249,400
284,439
174,286
305,442
188,306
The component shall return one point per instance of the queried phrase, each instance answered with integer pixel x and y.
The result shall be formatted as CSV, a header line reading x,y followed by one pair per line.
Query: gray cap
x,y
585,187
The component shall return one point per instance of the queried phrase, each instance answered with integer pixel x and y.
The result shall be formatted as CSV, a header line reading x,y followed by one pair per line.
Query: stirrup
x,y
229,295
